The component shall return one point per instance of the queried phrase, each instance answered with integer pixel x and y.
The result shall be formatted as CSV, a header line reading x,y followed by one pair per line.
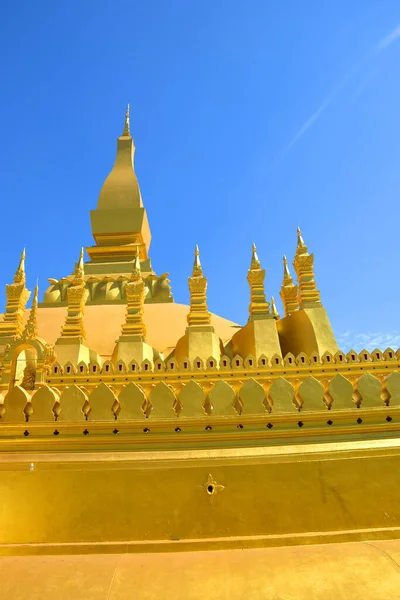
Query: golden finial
x,y
20,276
136,271
287,278
79,271
301,247
255,263
31,330
197,269
273,308
127,129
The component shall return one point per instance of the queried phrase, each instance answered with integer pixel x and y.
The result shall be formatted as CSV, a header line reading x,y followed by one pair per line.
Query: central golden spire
x,y
119,223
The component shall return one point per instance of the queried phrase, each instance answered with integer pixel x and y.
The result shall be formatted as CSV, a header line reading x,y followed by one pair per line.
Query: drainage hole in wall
x,y
300,423
388,419
146,430
26,433
210,489
359,421
56,432
329,422
270,426
115,431
85,432
239,426
178,429
208,427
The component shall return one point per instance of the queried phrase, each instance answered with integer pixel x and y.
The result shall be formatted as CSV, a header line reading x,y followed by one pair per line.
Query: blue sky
x,y
249,119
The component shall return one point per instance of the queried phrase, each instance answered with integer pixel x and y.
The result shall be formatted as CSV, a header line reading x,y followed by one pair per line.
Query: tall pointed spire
x,y
274,310
255,263
289,291
287,278
136,274
74,331
127,128
31,331
20,276
197,268
259,306
198,314
79,272
301,247
135,291
120,221
17,297
308,295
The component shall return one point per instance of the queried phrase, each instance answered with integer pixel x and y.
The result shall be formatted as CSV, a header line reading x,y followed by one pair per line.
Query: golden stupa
x,y
154,450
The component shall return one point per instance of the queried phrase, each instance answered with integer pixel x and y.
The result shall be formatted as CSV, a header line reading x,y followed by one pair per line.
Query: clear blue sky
x,y
249,118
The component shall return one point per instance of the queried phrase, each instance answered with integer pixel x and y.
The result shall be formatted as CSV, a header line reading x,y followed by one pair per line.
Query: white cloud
x,y
349,340
389,39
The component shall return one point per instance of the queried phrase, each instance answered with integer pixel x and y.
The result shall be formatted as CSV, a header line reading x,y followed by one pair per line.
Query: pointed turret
x,y
274,310
71,345
306,327
198,314
200,339
79,271
31,331
289,291
259,306
259,336
131,344
301,247
308,295
255,263
17,297
20,275
135,294
197,268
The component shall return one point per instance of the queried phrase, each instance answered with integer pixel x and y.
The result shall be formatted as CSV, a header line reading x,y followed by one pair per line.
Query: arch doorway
x,y
24,367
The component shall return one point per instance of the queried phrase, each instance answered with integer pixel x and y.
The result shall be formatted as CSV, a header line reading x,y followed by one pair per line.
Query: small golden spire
x,y
259,307
17,295
287,278
31,329
255,263
289,291
274,309
197,269
135,293
308,295
136,271
79,272
301,247
20,276
127,128
77,295
198,313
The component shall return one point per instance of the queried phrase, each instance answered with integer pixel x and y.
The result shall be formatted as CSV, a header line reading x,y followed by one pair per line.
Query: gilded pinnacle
x,y
197,269
20,276
273,308
127,129
136,271
31,329
287,278
79,272
255,263
301,247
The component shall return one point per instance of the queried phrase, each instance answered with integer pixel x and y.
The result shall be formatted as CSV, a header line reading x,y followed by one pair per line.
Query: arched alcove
x,y
24,366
